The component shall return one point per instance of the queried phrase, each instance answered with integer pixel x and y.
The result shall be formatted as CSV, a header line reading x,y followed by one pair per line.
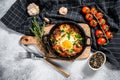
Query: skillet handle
x,y
28,40
45,43
45,40
88,41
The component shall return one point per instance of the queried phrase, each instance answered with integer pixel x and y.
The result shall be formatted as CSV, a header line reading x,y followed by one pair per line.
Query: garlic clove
x,y
47,20
33,9
63,10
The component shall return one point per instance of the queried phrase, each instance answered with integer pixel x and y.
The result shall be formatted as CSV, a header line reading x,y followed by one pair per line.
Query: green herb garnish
x,y
62,31
70,50
58,51
77,35
69,33
80,39
74,43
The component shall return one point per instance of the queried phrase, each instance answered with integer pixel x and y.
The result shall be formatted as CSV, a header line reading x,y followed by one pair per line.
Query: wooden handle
x,y
28,40
63,72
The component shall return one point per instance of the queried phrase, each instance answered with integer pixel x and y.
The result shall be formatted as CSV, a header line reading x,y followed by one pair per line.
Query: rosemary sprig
x,y
37,30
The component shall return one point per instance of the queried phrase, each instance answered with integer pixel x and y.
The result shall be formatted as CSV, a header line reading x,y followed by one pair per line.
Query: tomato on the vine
x,y
93,10
98,33
88,16
101,41
99,15
109,35
86,10
105,27
93,23
102,21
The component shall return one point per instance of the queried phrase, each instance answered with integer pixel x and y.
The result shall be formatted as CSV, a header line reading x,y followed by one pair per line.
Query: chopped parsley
x,y
69,33
58,51
70,50
79,37
62,31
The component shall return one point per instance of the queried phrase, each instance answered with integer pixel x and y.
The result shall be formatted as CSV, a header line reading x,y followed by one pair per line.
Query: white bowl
x,y
101,64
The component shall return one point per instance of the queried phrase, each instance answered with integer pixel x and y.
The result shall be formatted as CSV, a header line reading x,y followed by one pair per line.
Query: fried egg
x,y
66,43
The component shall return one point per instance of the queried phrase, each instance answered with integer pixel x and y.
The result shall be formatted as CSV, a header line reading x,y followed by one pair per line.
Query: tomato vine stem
x,y
102,30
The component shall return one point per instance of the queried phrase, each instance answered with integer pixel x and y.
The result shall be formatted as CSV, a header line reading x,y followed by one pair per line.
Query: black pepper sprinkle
x,y
96,60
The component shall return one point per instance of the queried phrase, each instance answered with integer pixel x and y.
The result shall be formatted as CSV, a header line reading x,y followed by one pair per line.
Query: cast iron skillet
x,y
48,43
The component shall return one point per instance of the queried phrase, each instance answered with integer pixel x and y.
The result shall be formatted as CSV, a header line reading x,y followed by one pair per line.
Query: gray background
x,y
14,65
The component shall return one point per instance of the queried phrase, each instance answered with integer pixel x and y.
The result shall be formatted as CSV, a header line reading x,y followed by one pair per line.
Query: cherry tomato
x,y
101,41
93,23
86,10
88,16
99,15
105,27
93,10
102,21
109,35
98,33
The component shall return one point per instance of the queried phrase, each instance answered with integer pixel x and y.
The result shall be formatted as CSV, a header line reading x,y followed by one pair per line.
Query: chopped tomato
x,y
63,54
86,10
98,33
77,49
109,35
57,47
101,41
89,17
93,23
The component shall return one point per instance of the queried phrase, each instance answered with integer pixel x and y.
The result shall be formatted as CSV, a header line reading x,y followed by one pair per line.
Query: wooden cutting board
x,y
33,40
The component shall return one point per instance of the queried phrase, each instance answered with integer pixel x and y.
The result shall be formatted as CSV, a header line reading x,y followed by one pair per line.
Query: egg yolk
x,y
67,44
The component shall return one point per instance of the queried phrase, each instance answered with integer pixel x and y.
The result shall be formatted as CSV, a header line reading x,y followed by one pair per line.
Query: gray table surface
x,y
14,65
